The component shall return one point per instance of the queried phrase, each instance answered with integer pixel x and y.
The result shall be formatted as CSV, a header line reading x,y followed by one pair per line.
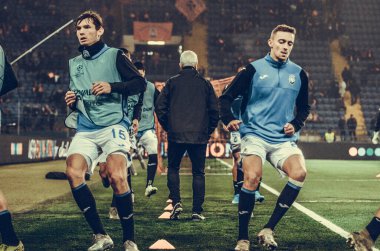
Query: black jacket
x,y
187,108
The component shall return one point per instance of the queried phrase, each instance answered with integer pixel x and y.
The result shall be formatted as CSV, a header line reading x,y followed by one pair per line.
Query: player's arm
x,y
71,98
138,107
162,106
10,81
133,83
156,93
212,107
302,104
239,86
136,116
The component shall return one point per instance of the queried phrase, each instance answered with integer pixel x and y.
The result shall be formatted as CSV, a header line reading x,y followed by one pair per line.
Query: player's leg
x,y
237,184
253,158
365,239
288,158
197,155
175,154
117,147
149,141
113,214
76,168
258,196
82,152
116,169
9,238
235,147
294,167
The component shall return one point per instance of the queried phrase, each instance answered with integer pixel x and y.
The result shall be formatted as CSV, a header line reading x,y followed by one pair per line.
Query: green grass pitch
x,y
344,192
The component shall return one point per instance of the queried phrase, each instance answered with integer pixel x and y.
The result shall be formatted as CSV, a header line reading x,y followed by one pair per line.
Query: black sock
x,y
87,205
129,178
246,205
124,207
236,188
152,168
240,178
284,202
7,232
373,228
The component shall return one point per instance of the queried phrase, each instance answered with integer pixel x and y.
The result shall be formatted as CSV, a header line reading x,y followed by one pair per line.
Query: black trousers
x,y
197,154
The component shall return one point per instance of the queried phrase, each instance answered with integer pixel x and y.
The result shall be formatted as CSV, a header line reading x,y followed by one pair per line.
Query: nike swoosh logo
x,y
128,217
283,205
243,212
86,209
263,77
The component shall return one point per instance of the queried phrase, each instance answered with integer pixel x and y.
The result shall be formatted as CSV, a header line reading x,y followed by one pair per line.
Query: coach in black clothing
x,y
187,110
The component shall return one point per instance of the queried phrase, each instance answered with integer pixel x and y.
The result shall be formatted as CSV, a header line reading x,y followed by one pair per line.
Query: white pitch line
x,y
339,201
311,214
224,163
207,174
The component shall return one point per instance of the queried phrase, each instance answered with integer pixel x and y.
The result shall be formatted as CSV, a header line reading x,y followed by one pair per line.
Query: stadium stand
x,y
237,34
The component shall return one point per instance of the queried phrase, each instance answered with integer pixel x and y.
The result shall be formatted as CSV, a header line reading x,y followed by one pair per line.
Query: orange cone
x,y
162,244
165,216
169,207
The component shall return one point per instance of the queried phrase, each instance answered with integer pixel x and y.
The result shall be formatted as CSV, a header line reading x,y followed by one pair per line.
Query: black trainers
x,y
197,217
177,210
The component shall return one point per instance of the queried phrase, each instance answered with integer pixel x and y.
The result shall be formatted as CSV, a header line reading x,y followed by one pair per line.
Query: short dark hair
x,y
93,15
139,65
285,28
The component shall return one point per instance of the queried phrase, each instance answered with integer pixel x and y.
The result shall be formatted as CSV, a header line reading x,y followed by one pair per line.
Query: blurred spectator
x,y
342,88
351,126
329,136
355,90
347,74
342,128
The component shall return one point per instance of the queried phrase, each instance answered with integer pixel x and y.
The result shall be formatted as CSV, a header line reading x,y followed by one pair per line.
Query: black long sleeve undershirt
x,y
239,86
302,103
133,83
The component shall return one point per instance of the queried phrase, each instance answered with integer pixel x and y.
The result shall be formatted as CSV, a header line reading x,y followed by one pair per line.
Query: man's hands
x,y
99,88
70,98
289,129
234,125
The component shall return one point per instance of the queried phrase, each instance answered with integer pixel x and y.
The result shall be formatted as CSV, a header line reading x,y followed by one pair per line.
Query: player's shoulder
x,y
76,58
293,66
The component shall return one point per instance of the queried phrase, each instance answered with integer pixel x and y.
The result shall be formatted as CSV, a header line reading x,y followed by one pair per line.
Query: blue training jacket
x,y
274,93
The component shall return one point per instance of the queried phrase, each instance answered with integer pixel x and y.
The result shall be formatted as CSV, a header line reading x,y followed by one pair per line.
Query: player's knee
x,y
252,180
73,173
299,174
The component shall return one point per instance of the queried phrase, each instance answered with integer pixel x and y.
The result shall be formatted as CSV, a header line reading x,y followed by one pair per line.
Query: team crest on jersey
x,y
292,79
80,71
